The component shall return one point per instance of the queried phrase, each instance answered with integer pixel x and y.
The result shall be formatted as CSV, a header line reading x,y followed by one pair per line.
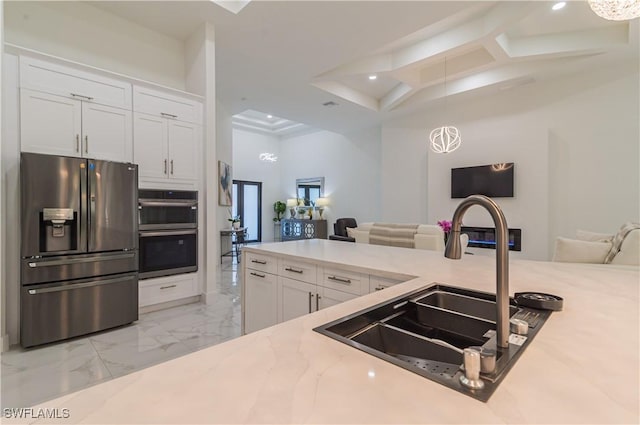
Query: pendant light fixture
x,y
445,139
616,10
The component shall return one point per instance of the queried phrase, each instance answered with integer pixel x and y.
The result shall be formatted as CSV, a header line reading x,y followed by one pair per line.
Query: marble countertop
x,y
583,366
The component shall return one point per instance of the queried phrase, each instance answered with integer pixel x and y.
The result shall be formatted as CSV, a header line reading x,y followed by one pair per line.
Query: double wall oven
x,y
168,224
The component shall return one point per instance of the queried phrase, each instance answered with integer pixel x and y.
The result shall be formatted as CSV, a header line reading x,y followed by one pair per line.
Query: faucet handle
x,y
471,378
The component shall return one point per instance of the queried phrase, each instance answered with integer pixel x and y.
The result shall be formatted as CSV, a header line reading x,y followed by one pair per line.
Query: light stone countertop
x,y
582,367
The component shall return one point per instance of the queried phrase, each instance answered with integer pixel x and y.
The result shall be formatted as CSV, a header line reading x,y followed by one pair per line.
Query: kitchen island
x,y
582,367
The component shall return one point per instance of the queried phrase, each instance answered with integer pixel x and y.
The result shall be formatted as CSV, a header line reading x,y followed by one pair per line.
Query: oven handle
x,y
66,261
176,233
79,285
172,203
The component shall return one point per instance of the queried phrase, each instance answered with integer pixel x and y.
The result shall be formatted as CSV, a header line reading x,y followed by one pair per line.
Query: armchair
x,y
340,229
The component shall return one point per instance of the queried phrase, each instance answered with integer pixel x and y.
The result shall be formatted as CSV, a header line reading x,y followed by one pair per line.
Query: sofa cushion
x,y
576,251
365,226
430,229
350,231
585,235
393,234
629,253
430,242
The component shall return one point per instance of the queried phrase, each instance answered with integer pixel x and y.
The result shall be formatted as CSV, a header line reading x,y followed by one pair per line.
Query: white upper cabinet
x,y
65,111
166,105
167,136
70,82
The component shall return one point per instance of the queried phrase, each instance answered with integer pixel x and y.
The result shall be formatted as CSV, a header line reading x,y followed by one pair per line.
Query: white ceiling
x,y
287,58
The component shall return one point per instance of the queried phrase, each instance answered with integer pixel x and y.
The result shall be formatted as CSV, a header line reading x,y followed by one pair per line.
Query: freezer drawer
x,y
52,312
67,267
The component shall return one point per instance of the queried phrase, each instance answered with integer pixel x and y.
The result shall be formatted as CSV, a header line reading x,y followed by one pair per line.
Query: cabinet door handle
x,y
164,114
86,144
379,288
81,96
77,143
172,167
291,269
310,296
257,275
339,279
258,261
317,302
168,286
165,166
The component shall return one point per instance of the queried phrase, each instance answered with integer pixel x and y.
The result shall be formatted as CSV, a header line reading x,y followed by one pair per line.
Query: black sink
x,y
426,330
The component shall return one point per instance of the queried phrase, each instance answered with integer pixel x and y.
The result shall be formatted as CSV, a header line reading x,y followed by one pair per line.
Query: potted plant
x,y
234,219
279,208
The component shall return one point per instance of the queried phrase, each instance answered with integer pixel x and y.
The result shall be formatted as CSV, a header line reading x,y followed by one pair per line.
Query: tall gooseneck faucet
x,y
454,250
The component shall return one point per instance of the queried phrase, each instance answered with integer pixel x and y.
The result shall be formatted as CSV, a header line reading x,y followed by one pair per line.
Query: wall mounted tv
x,y
495,180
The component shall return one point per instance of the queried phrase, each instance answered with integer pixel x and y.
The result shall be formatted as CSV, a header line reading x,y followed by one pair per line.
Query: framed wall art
x,y
225,183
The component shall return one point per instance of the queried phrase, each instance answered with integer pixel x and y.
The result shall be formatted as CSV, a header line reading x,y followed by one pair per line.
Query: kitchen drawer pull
x,y
339,279
291,269
172,167
310,296
259,262
257,275
81,96
168,286
48,263
86,144
379,288
317,302
164,114
79,285
165,166
77,143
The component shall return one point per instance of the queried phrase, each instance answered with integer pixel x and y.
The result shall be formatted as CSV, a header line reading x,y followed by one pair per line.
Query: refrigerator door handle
x,y
79,285
92,205
45,263
83,214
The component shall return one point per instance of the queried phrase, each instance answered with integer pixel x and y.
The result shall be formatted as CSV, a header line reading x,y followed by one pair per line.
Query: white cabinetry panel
x,y
107,132
261,299
183,150
150,146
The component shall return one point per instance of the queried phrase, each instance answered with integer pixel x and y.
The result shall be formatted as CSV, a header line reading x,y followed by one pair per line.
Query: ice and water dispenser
x,y
58,230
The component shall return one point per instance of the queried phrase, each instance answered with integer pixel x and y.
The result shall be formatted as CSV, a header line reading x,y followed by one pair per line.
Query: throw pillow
x,y
619,238
629,253
575,251
585,235
350,232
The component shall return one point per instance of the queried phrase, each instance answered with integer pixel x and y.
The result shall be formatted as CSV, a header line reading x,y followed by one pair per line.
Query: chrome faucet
x,y
454,250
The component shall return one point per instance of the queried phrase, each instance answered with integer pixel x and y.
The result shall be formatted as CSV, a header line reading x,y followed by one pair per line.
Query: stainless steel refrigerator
x,y
79,271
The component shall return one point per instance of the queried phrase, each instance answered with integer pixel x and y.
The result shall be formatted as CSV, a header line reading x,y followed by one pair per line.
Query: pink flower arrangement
x,y
445,225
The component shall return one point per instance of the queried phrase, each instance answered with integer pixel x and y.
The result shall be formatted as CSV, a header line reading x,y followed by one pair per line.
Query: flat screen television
x,y
495,180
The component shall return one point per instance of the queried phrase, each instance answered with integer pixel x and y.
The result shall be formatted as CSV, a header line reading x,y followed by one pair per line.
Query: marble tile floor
x,y
35,375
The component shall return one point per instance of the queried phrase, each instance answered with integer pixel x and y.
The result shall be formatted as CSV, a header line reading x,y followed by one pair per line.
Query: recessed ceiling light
x,y
373,77
559,5
269,116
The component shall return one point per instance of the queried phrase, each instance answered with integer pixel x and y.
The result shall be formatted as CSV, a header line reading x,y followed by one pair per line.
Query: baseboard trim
x,y
4,343
209,297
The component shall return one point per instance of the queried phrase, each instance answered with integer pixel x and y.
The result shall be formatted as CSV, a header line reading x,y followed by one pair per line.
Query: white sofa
x,y
623,248
428,236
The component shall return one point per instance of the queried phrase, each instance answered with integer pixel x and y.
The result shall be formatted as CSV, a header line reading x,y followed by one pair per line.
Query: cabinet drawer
x,y
261,262
163,289
73,83
345,281
378,283
169,106
298,270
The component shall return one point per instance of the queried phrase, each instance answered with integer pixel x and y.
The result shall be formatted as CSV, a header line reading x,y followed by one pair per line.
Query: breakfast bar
x,y
582,367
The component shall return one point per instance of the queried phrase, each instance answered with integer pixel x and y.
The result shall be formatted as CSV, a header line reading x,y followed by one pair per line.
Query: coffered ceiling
x,y
290,58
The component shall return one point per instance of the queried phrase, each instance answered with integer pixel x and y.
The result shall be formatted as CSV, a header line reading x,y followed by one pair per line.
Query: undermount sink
x,y
426,331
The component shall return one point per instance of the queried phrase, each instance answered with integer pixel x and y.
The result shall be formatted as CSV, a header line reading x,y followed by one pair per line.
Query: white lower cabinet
x,y
295,298
260,300
378,283
168,288
328,297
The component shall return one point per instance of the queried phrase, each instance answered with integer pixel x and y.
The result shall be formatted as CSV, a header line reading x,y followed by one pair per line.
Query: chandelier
x,y
445,139
616,10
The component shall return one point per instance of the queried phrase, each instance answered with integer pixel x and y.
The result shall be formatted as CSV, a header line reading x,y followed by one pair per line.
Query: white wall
x,y
80,32
350,165
574,141
247,146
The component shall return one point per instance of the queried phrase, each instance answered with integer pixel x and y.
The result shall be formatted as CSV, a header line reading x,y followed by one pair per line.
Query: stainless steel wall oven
x,y
168,222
